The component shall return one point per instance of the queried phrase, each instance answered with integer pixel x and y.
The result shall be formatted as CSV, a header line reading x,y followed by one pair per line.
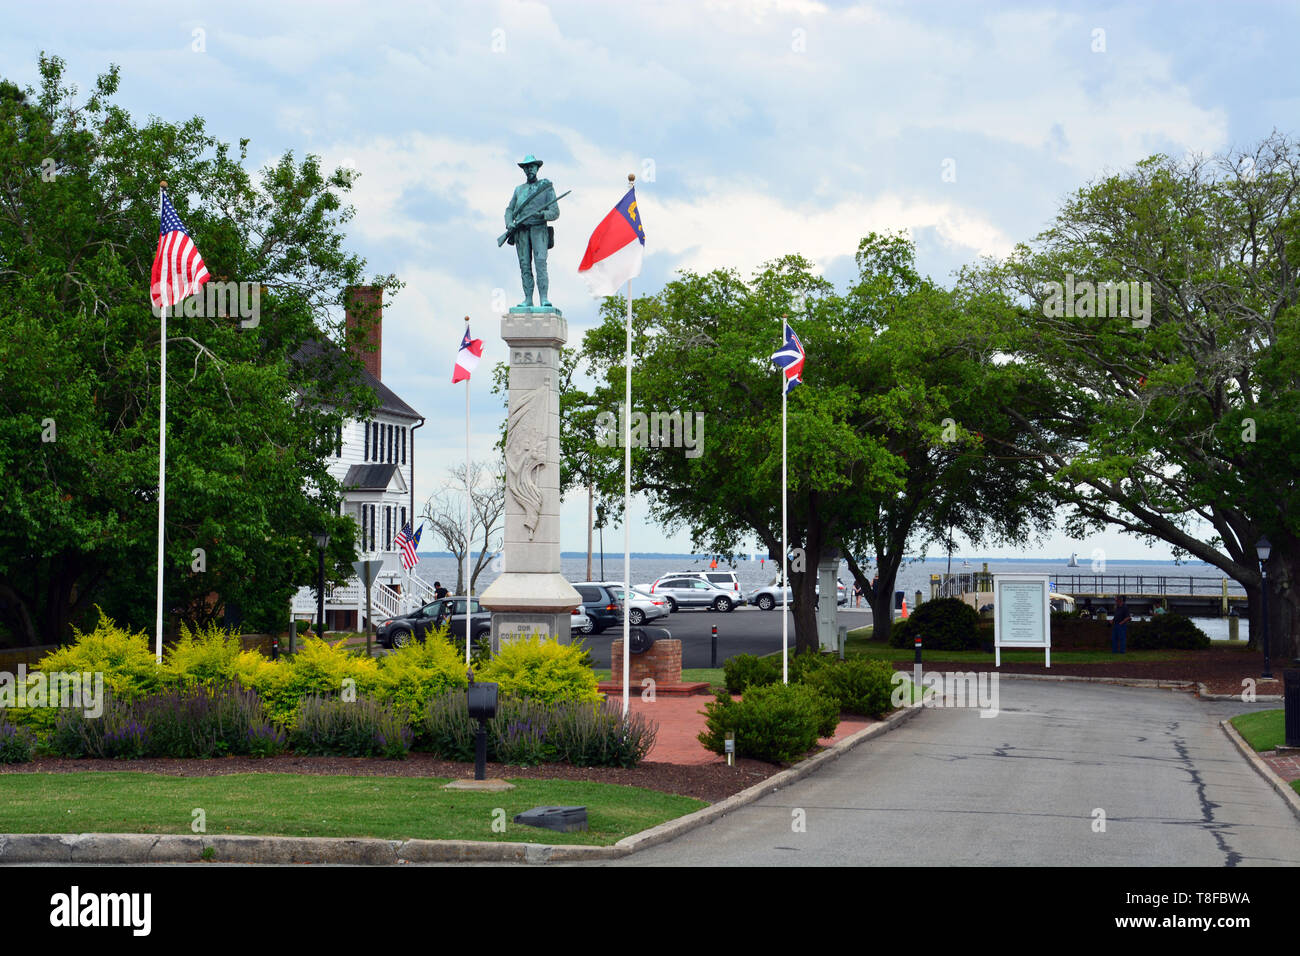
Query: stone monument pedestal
x,y
531,595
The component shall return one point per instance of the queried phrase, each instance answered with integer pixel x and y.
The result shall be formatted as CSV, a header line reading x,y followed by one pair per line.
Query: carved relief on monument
x,y
526,440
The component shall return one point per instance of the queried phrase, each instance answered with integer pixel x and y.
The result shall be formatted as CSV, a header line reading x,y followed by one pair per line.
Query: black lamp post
x,y
1263,549
322,542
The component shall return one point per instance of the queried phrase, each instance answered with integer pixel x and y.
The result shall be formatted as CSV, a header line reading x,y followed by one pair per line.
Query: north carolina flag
x,y
616,248
467,358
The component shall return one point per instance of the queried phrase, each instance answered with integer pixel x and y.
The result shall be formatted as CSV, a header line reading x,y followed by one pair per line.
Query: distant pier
x,y
1179,593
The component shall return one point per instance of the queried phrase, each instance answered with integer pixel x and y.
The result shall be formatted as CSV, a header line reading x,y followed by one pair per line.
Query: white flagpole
x,y
162,448
627,492
785,574
469,588
627,501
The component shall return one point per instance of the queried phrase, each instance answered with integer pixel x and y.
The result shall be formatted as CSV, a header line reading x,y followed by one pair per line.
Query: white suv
x,y
721,578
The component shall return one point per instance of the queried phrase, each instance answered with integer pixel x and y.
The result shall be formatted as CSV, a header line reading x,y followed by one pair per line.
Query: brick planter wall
x,y
663,662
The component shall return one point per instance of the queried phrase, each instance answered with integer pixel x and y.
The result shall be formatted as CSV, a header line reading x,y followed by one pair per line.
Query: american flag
x,y
407,543
790,359
178,269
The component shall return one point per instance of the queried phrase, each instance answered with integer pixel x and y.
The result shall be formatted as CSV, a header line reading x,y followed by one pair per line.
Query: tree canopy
x,y
884,436
249,428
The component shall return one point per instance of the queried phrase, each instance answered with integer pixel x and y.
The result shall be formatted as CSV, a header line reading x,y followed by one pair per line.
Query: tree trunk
x,y
804,597
882,602
1283,603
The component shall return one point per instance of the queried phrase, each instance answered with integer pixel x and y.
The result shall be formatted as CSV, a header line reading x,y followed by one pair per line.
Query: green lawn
x,y
279,804
1263,729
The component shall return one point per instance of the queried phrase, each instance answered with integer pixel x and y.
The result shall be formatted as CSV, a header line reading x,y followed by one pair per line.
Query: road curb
x,y
1150,682
1204,693
675,828
1262,768
138,848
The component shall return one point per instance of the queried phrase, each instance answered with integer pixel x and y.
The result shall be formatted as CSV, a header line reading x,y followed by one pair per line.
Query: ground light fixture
x,y
482,701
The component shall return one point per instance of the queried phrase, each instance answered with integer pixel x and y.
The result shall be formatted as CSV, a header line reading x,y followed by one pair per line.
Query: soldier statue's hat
x,y
529,160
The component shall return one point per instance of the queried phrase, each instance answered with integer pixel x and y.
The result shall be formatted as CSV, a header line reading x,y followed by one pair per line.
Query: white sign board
x,y
1022,613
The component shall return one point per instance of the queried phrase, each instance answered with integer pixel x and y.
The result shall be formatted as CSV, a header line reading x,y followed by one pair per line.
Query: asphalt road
x,y
745,630
1024,788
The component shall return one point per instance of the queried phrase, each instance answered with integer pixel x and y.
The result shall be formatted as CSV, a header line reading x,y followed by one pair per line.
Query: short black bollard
x,y
1291,705
918,650
713,657
275,648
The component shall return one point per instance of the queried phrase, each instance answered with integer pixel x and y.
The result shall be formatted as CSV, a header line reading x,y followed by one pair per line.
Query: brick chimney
x,y
365,312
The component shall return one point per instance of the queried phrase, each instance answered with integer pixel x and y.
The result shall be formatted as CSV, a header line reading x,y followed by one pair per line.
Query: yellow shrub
x,y
318,668
125,659
412,675
543,670
205,656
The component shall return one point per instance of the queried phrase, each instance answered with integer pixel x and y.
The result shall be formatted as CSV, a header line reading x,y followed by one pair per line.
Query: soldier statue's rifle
x,y
525,211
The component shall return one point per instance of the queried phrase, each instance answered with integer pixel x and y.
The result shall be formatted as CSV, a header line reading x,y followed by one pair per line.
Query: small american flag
x,y
407,543
178,269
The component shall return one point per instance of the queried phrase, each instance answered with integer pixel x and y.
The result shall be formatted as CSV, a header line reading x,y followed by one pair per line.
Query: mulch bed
x,y
709,782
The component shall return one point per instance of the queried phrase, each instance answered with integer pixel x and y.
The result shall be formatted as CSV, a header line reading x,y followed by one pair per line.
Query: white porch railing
x,y
384,601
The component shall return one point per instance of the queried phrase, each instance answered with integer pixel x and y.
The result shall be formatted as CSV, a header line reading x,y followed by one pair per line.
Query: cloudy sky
x,y
755,129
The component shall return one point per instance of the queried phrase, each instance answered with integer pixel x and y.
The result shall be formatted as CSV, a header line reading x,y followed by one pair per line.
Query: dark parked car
x,y
400,631
600,604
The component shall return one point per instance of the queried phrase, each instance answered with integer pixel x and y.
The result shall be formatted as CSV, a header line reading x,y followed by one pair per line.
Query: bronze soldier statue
x,y
533,205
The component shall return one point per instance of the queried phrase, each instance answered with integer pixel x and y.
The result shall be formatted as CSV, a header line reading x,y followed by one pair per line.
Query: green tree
x,y
249,425
1178,420
888,362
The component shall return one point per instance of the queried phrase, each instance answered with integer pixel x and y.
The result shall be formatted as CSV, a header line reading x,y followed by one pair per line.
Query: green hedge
x,y
858,685
778,723
1166,632
945,624
745,670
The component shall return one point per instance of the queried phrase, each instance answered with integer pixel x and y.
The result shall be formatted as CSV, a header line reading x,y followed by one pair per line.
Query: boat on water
x,y
1074,560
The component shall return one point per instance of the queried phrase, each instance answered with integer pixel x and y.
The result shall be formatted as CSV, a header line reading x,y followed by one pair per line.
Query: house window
x,y
388,528
404,520
365,452
403,444
390,443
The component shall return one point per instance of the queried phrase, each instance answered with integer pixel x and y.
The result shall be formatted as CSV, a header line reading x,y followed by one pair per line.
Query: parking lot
x,y
745,630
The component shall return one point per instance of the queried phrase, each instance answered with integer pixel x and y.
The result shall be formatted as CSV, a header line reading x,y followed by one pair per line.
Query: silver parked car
x,y
772,594
642,607
692,592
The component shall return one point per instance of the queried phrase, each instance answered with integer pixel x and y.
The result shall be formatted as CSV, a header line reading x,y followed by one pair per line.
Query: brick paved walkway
x,y
681,719
1286,765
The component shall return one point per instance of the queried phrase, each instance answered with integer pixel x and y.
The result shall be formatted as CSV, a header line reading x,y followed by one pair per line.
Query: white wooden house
x,y
375,463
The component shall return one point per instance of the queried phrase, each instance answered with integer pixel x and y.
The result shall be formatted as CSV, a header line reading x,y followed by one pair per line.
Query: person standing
x,y
1119,627
439,592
